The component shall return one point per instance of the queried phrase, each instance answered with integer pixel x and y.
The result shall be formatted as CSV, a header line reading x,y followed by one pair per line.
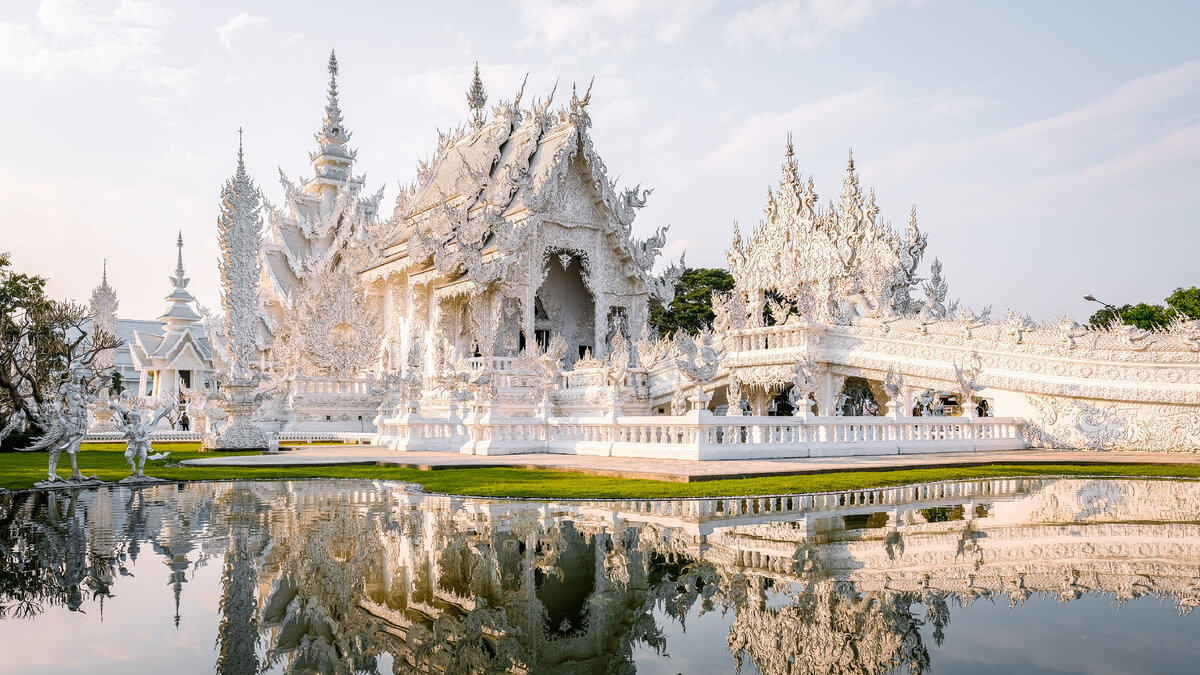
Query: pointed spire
x,y
180,311
332,159
103,309
333,71
241,165
789,181
852,201
477,98
179,280
239,232
577,102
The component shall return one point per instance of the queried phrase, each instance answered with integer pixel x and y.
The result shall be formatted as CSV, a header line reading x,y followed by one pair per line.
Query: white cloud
x,y
799,23
1114,122
832,117
226,31
67,38
444,90
701,77
606,26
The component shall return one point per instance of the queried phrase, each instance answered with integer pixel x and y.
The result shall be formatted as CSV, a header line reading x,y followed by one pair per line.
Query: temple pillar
x,y
733,395
826,394
600,329
835,385
759,401
529,321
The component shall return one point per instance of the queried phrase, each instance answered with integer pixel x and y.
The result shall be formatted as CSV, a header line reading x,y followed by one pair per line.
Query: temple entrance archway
x,y
565,304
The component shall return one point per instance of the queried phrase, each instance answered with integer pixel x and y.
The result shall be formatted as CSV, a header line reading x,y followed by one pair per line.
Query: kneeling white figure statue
x,y
130,421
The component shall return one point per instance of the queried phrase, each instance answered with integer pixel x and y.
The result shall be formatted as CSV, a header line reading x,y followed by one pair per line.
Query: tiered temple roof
x,y
491,175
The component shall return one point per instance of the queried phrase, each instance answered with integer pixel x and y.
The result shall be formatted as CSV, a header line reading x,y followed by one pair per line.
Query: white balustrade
x,y
705,437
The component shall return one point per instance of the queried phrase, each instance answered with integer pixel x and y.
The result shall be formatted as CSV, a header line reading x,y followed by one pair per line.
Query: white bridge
x,y
702,436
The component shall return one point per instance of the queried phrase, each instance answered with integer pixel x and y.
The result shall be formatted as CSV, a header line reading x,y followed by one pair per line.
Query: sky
x,y
1051,149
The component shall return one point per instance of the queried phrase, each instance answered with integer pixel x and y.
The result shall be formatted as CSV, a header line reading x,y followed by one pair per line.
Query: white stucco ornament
x,y
129,419
64,420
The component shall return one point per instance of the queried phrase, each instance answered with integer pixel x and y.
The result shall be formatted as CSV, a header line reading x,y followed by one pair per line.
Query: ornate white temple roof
x,y
468,208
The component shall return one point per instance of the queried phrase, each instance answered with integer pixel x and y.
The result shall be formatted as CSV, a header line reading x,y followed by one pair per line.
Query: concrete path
x,y
679,471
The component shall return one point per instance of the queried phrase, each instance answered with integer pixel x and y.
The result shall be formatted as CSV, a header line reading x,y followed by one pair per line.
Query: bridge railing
x,y
703,436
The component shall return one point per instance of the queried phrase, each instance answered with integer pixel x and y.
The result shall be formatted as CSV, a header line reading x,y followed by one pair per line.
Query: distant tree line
x,y
1183,303
691,310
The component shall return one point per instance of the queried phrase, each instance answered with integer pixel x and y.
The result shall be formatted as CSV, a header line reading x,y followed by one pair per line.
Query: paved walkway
x,y
679,471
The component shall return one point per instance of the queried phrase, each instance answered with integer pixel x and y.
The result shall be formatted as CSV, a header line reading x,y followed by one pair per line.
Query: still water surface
x,y
1004,576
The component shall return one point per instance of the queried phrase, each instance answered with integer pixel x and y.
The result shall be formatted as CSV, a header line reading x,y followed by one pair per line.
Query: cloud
x,y
234,25
800,23
1114,122
66,38
701,77
832,117
606,26
444,90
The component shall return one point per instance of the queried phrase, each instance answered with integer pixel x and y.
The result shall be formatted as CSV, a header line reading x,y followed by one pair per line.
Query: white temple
x,y
177,356
503,308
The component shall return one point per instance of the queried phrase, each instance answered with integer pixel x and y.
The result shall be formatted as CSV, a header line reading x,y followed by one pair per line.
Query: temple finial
x,y
241,165
179,261
332,159
104,273
333,71
850,161
577,102
477,97
790,151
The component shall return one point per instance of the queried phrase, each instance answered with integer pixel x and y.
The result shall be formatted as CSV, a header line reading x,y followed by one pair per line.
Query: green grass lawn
x,y
20,470
107,460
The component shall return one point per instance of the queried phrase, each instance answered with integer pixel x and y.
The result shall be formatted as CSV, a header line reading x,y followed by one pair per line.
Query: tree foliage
x,y
1183,303
1186,302
691,309
39,339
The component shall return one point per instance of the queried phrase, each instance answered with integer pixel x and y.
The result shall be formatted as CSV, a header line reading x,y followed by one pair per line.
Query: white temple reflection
x,y
339,577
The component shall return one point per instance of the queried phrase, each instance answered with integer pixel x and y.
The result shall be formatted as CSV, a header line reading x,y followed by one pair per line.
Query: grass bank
x,y
106,460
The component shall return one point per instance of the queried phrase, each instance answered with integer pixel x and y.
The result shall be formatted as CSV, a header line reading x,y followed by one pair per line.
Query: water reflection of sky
x,y
1033,576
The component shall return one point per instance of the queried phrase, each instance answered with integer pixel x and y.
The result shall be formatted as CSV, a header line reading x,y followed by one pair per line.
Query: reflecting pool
x,y
999,576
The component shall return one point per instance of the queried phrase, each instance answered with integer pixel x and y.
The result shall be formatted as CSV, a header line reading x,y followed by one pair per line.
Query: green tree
x,y
1183,302
691,309
1146,316
1186,301
39,337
